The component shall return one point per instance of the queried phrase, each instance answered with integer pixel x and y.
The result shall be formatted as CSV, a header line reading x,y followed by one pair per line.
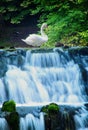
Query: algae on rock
x,y
11,116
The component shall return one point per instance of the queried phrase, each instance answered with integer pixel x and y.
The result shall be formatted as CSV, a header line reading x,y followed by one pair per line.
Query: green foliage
x,y
2,10
84,38
25,3
9,106
81,1
84,35
14,10
67,19
67,27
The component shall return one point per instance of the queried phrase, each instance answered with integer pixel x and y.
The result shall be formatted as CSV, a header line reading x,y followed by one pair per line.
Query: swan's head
x,y
44,25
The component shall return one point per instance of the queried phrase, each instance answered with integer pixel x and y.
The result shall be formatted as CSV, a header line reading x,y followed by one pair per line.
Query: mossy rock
x,y
9,106
51,116
51,109
11,116
13,120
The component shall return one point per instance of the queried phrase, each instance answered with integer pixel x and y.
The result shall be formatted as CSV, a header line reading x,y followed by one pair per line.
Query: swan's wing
x,y
35,40
34,37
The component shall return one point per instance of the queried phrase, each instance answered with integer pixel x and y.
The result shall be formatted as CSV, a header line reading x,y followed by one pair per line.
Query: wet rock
x,y
78,51
2,47
59,117
59,44
13,120
11,116
3,67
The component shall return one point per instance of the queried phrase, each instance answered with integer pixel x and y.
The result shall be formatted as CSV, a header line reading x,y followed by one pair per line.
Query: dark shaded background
x,y
14,33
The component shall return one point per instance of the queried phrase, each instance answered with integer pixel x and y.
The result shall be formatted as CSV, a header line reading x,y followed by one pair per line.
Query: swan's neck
x,y
43,33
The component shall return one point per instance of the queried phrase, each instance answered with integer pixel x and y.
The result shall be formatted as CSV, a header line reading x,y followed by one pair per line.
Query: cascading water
x,y
31,122
38,77
3,124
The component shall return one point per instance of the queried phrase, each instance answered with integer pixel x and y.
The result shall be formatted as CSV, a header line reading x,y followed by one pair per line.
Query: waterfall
x,y
3,124
36,77
32,123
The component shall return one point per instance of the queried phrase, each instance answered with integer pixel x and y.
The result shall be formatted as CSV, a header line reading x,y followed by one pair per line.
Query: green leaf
x,y
12,8
2,10
25,3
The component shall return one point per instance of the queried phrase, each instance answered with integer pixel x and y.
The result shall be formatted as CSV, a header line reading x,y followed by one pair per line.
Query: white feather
x,y
37,40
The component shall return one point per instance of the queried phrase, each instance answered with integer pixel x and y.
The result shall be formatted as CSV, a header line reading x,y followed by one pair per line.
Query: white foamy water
x,y
43,78
3,124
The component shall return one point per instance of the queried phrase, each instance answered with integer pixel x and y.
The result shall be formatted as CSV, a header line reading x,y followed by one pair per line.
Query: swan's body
x,y
37,40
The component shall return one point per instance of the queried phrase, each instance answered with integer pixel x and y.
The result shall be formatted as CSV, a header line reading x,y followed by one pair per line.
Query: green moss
x,y
9,106
51,116
13,116
51,109
45,109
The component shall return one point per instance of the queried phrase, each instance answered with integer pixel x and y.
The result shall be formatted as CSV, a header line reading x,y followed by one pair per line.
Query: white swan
x,y
37,40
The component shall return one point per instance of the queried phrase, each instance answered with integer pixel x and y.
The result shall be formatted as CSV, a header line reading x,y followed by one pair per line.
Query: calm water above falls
x,y
41,77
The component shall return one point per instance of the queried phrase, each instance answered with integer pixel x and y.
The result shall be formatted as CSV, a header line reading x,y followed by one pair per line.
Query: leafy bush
x,y
63,28
67,19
